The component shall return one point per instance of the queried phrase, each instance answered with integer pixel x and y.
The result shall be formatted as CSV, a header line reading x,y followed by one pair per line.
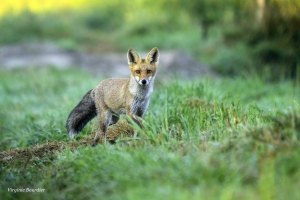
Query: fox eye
x,y
137,71
149,71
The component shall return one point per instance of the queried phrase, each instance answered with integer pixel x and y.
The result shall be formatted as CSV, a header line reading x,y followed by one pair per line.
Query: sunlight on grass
x,y
38,6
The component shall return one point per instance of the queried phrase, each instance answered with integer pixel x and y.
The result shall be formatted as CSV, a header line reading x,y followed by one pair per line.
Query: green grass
x,y
204,139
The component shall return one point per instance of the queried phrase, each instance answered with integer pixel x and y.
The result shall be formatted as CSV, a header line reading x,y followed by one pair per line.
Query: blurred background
x,y
233,37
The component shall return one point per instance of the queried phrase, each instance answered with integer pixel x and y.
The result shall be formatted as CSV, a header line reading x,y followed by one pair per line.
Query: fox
x,y
113,97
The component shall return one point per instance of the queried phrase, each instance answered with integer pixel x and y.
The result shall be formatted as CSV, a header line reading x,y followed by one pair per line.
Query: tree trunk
x,y
261,11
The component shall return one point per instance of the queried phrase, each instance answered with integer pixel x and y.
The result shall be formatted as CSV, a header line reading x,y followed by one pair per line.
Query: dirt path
x,y
171,63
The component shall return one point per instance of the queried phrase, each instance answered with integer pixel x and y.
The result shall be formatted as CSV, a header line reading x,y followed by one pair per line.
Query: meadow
x,y
203,139
235,137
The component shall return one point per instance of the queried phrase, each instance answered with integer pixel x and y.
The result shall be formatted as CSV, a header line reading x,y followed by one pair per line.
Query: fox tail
x,y
81,114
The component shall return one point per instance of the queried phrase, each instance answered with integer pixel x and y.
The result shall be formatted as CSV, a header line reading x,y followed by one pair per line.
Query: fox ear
x,y
153,56
132,56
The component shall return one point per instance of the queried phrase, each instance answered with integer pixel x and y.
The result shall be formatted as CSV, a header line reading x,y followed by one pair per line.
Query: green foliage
x,y
207,12
270,34
70,29
216,139
107,17
238,37
147,26
273,39
28,26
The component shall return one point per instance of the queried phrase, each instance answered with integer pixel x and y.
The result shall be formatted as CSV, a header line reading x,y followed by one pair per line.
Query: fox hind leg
x,y
105,119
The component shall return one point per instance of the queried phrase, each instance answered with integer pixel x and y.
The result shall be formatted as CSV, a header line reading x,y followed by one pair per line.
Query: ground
x,y
105,65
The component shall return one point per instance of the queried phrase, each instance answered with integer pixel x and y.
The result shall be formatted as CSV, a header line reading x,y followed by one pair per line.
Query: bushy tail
x,y
81,115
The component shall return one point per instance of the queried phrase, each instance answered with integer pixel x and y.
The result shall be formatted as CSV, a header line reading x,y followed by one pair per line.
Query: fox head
x,y
143,70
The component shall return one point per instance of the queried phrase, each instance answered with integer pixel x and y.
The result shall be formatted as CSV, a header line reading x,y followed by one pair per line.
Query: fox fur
x,y
116,96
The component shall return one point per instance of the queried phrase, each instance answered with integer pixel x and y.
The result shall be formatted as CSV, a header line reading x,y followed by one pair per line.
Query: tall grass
x,y
216,139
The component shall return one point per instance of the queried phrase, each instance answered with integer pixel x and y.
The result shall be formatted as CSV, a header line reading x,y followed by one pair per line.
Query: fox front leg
x,y
137,119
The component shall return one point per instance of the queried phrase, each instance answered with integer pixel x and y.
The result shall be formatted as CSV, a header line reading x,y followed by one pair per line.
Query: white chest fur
x,y
141,100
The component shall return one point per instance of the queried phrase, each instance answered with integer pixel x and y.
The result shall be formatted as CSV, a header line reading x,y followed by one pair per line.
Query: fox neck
x,y
141,91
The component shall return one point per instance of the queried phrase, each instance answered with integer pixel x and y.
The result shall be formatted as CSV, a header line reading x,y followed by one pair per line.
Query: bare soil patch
x,y
121,129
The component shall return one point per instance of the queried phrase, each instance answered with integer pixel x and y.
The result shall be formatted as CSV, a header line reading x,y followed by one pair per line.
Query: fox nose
x,y
144,82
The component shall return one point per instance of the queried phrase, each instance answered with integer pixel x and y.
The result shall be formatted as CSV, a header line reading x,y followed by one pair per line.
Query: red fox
x,y
116,96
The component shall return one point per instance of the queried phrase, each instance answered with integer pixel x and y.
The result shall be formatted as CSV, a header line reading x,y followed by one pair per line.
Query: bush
x,y
106,17
233,61
29,26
